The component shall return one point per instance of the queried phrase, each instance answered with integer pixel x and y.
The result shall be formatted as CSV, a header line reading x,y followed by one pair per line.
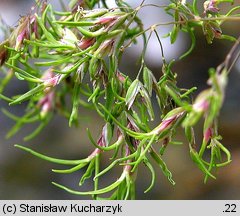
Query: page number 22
x,y
230,208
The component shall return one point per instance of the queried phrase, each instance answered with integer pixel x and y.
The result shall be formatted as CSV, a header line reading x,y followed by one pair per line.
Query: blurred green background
x,y
23,176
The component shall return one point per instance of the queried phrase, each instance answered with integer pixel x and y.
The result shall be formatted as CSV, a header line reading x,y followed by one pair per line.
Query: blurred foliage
x,y
77,52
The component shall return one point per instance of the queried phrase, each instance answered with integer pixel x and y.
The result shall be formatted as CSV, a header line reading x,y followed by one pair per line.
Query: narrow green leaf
x,y
228,37
150,167
224,149
147,101
71,170
196,159
24,73
50,159
162,165
109,97
175,30
48,35
75,24
189,133
75,98
143,153
193,42
88,172
148,79
6,98
109,167
88,33
54,63
174,34
107,133
132,92
29,94
95,192
195,7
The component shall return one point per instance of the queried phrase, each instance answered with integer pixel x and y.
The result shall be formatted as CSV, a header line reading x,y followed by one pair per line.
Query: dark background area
x,y
23,176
